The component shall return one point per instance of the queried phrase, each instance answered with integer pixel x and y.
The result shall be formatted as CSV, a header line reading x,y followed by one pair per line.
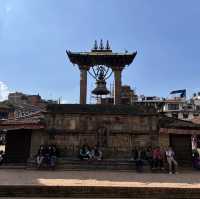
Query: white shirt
x,y
169,153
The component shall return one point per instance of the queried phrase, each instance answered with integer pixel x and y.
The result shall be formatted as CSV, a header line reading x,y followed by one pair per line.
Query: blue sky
x,y
35,34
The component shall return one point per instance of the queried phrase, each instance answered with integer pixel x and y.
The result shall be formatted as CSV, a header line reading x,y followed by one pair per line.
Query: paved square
x,y
185,179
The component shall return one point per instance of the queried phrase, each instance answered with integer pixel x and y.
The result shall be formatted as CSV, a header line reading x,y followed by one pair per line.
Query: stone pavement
x,y
185,179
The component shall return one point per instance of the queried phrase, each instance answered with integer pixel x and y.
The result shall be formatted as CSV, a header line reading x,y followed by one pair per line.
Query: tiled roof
x,y
34,122
169,122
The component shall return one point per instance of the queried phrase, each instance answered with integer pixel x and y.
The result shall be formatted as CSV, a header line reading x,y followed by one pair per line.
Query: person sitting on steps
x,y
40,156
158,158
52,156
149,156
96,153
84,153
139,155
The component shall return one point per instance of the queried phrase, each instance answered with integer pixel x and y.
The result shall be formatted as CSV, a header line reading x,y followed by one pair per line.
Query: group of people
x,y
47,155
156,157
88,153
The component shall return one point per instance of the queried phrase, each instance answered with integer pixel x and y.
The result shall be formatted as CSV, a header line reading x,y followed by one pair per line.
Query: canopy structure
x,y
100,56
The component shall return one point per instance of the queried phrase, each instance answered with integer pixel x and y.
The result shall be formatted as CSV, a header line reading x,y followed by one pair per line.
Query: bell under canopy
x,y
100,88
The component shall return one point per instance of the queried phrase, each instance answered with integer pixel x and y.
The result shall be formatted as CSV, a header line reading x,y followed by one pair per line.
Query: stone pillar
x,y
83,86
117,75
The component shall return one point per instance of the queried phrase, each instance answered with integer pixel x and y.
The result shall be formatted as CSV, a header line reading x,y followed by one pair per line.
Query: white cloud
x,y
4,91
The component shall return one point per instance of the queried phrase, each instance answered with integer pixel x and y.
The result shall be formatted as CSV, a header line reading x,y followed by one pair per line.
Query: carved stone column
x,y
117,94
83,85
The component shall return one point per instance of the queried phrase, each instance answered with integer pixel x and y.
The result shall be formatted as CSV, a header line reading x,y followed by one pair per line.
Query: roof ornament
x,y
101,47
95,45
107,45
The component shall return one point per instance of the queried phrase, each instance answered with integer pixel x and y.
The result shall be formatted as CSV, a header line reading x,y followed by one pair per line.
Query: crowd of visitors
x,y
47,155
156,158
88,153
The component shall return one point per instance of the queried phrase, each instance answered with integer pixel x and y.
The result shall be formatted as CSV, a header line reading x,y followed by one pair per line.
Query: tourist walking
x,y
171,160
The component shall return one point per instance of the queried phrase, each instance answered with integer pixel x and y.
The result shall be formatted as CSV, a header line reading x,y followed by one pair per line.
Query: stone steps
x,y
95,164
76,164
98,192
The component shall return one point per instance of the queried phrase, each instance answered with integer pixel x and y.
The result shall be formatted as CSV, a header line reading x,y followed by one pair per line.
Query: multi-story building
x,y
195,100
151,101
177,107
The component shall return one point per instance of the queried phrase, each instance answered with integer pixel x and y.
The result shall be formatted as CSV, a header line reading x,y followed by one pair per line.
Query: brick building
x,y
117,130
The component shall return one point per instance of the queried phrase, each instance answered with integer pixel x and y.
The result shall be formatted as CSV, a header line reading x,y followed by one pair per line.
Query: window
x,y
185,115
174,115
173,106
197,107
3,115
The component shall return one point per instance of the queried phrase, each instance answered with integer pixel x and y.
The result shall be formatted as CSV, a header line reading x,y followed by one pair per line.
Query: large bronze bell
x,y
100,88
100,84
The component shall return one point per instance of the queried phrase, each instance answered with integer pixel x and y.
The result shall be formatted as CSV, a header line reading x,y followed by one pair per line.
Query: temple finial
x,y
101,47
107,45
95,45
